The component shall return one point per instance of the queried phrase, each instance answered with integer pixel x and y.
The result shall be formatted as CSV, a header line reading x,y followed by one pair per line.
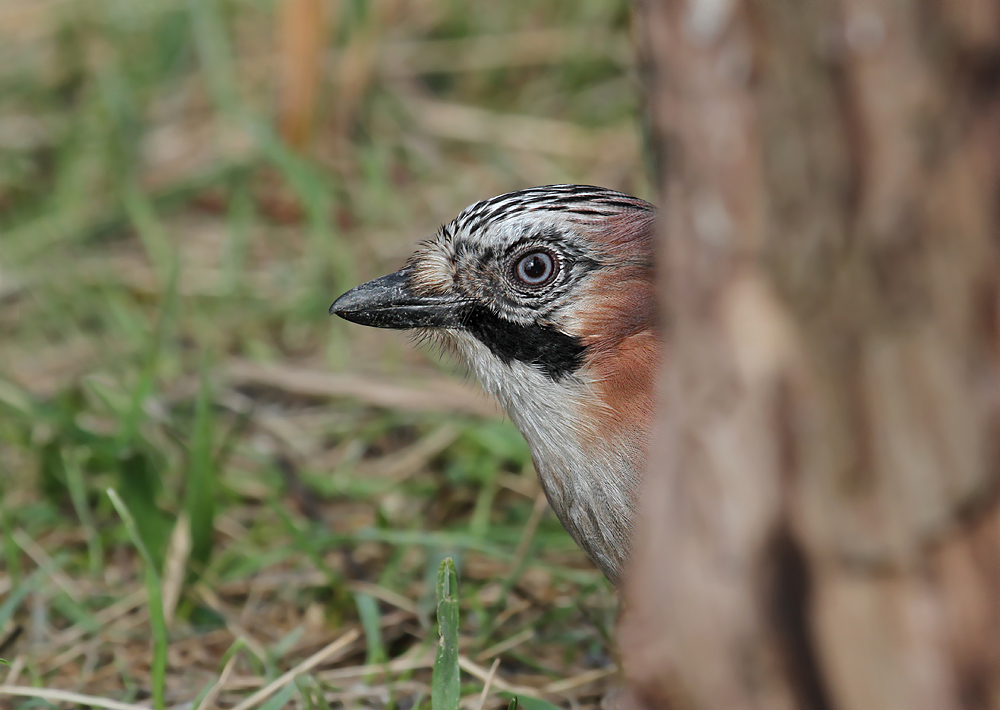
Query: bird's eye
x,y
536,268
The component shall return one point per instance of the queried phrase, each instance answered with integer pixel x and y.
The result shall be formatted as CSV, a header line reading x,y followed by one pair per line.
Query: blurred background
x,y
185,186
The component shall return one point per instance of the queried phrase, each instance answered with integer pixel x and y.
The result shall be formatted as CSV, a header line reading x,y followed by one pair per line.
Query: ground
x,y
292,481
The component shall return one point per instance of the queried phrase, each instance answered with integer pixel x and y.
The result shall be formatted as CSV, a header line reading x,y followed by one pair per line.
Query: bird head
x,y
547,294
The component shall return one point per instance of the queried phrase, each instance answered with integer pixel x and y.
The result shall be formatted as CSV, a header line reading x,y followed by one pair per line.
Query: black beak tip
x,y
353,303
389,302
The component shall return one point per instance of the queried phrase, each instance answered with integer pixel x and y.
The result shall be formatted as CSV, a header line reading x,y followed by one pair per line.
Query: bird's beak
x,y
390,302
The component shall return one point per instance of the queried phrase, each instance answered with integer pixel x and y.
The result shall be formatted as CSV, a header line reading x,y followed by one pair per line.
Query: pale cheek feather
x,y
436,269
433,269
592,488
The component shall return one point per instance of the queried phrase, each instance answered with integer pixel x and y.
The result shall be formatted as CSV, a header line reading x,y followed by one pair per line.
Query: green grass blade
x,y
368,612
281,698
213,46
129,430
200,485
445,680
154,592
151,232
78,496
528,703
11,552
19,594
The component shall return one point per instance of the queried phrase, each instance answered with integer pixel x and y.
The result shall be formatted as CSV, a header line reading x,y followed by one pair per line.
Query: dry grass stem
x,y
42,559
208,701
236,628
301,33
487,684
14,672
66,696
520,132
497,51
506,645
175,566
439,396
399,665
530,528
563,686
413,458
477,671
386,595
326,653
104,617
109,633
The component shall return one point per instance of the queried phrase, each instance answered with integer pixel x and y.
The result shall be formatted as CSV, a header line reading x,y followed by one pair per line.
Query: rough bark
x,y
821,525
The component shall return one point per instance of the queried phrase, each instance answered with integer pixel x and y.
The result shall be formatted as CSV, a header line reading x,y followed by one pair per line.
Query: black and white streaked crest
x,y
473,260
582,201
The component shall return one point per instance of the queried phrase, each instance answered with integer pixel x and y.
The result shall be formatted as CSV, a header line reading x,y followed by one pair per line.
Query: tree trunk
x,y
821,525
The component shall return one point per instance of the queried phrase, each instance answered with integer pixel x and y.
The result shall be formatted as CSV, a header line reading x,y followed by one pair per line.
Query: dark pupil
x,y
535,268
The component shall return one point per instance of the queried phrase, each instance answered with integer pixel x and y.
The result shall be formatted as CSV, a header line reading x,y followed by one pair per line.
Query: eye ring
x,y
536,268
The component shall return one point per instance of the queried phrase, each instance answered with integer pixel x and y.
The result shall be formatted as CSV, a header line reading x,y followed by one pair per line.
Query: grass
x,y
446,684
285,486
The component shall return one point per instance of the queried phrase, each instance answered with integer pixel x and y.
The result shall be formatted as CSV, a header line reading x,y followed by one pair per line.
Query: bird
x,y
547,294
